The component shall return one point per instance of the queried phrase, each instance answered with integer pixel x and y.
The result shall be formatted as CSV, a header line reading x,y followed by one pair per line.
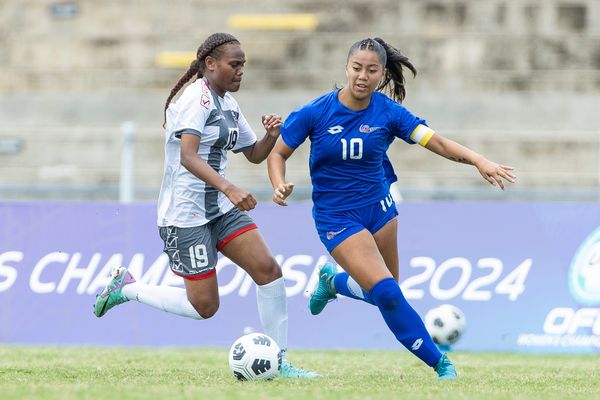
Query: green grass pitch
x,y
42,372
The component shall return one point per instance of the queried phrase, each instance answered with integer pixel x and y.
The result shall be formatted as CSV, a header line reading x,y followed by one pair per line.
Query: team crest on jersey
x,y
368,129
205,101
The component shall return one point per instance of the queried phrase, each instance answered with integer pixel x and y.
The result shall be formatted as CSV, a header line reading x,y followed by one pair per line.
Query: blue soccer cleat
x,y
445,369
324,293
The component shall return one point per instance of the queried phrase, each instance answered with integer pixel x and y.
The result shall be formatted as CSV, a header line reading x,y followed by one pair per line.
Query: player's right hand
x,y
281,192
240,198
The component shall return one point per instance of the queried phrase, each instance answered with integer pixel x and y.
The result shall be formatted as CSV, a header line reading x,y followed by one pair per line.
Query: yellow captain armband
x,y
422,134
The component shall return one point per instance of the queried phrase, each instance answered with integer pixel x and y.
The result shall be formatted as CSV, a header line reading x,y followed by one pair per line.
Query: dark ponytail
x,y
395,63
210,47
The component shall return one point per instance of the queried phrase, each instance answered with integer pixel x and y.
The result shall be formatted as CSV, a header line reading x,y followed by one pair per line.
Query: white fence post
x,y
127,163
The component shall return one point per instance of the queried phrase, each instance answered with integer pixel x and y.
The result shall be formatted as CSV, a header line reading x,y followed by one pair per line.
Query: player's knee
x,y
268,272
386,294
205,309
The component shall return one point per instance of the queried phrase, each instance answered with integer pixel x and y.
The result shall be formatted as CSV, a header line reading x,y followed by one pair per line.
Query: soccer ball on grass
x,y
255,357
445,324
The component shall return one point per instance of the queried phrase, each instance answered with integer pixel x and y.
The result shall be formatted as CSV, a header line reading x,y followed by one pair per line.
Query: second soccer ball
x,y
445,324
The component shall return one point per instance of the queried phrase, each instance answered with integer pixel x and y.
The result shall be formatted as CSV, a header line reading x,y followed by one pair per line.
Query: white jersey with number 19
x,y
185,200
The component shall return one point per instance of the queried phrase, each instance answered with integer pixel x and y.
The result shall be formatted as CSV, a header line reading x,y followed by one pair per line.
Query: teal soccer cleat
x,y
324,293
289,371
445,369
111,295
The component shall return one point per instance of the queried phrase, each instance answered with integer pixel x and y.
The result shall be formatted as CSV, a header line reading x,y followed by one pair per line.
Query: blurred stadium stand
x,y
518,81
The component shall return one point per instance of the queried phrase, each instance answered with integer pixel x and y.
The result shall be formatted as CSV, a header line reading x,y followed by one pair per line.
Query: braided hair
x,y
212,46
392,60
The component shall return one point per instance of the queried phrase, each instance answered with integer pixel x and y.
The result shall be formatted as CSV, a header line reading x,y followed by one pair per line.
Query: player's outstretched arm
x,y
276,165
492,172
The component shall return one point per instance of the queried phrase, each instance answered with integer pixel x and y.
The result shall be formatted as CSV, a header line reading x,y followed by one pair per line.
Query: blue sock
x,y
404,321
346,286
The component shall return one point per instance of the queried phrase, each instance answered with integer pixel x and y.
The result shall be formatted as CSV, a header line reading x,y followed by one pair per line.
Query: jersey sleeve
x,y
247,137
408,127
297,127
193,110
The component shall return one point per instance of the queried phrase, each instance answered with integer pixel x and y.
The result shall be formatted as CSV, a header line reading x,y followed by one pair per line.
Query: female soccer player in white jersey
x,y
350,130
199,211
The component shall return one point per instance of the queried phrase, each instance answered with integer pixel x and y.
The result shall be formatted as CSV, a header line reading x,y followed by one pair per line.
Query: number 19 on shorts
x,y
198,256
355,148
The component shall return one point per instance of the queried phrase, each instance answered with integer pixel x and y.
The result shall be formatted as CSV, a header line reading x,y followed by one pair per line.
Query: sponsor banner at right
x,y
574,326
526,275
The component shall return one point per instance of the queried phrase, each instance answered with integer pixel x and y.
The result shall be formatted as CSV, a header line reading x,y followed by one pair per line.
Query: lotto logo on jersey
x,y
368,129
335,129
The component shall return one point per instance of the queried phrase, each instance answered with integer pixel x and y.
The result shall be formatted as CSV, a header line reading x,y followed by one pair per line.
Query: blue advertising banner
x,y
526,275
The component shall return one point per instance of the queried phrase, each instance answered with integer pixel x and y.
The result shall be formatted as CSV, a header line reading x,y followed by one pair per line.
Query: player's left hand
x,y
272,124
495,173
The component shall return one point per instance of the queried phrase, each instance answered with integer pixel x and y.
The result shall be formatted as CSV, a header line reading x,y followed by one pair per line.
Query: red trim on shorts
x,y
235,234
198,277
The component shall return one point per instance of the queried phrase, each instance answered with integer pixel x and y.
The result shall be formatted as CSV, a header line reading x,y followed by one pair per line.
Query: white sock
x,y
167,298
272,310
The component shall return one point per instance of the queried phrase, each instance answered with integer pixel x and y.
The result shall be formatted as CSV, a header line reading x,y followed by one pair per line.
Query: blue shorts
x,y
336,226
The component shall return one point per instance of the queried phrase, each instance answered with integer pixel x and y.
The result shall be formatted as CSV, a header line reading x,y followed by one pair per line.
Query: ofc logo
x,y
368,129
584,272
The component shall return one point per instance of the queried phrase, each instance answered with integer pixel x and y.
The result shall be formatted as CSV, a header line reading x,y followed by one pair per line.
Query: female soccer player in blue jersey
x,y
350,130
200,212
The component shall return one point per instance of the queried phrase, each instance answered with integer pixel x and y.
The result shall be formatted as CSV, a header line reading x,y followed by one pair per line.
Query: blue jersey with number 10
x,y
347,147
